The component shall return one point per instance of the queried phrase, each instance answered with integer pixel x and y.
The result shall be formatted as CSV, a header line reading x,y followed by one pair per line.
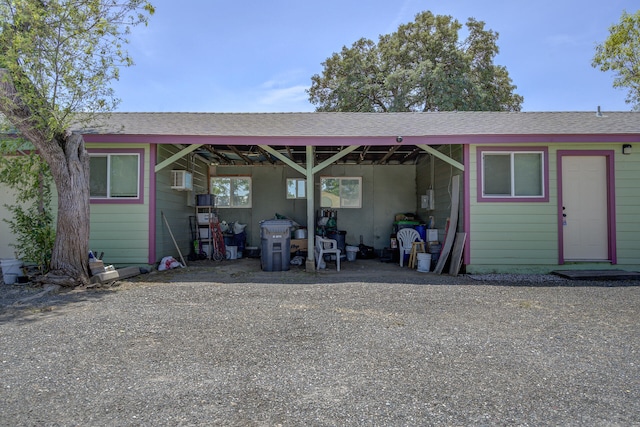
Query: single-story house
x,y
537,190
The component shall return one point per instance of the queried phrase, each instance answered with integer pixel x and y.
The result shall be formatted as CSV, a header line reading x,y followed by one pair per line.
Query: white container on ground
x,y
206,248
424,262
352,252
10,267
232,252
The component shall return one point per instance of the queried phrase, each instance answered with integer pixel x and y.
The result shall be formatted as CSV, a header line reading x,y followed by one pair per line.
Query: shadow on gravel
x,y
249,270
28,303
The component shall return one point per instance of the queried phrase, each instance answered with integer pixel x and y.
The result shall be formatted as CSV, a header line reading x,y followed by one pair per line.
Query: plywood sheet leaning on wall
x,y
451,233
456,254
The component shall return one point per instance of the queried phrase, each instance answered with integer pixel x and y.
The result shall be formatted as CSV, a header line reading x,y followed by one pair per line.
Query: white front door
x,y
584,208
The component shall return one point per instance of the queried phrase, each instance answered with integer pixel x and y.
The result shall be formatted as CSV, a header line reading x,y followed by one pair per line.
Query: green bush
x,y
32,218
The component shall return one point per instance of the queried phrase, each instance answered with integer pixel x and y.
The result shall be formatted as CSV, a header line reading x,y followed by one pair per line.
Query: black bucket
x,y
340,237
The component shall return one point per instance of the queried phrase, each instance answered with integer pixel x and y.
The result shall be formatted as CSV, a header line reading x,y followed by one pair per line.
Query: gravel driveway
x,y
227,344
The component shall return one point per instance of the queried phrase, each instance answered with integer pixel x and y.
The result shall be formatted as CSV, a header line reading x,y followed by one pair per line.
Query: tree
x,y
32,222
57,58
423,66
620,53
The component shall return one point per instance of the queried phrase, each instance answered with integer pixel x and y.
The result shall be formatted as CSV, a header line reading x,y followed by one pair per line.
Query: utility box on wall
x,y
426,201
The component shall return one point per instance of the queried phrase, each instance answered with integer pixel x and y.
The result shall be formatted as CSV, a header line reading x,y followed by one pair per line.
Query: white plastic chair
x,y
406,237
326,247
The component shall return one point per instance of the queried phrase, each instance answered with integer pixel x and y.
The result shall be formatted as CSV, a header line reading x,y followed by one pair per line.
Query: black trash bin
x,y
276,244
340,237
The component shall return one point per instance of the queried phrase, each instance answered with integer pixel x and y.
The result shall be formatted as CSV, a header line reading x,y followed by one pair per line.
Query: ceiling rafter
x,y
223,159
266,155
412,155
363,154
384,159
240,154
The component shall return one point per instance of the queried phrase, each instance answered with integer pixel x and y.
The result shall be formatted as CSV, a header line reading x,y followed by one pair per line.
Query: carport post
x,y
310,264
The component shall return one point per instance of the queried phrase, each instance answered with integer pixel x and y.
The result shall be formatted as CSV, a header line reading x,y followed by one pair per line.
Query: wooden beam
x,y
284,159
410,155
334,158
221,157
441,156
389,154
241,155
310,264
266,155
180,154
363,154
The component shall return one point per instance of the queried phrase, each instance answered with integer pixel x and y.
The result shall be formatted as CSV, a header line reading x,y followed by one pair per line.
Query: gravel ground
x,y
228,344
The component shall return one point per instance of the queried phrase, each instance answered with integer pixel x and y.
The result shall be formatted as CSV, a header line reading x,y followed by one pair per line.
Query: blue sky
x,y
259,56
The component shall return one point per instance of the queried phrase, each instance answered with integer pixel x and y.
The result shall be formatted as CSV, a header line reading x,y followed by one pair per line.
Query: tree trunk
x,y
69,163
69,260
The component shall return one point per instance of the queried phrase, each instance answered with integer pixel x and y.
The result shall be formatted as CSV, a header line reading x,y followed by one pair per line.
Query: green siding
x,y
177,206
524,236
121,231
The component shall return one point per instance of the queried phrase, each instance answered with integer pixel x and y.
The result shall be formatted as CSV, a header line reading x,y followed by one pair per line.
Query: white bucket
x,y
300,233
10,267
206,248
424,262
352,252
232,252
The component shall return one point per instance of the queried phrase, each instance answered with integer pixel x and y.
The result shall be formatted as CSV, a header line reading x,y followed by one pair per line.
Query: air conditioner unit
x,y
181,180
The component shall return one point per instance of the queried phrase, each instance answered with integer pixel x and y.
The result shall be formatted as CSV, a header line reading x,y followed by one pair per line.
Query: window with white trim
x,y
232,192
513,174
114,176
340,192
296,188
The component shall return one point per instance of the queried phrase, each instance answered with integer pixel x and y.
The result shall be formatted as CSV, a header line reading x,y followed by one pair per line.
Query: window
x,y
232,192
114,176
340,192
296,188
513,174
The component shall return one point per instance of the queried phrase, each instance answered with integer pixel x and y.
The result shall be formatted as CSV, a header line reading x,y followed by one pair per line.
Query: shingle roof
x,y
368,124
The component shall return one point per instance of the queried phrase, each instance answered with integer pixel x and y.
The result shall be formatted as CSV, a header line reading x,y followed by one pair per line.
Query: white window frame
x,y
110,197
484,197
300,185
233,185
342,199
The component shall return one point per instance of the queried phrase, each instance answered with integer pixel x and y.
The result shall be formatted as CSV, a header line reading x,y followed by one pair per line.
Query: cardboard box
x,y
96,267
299,245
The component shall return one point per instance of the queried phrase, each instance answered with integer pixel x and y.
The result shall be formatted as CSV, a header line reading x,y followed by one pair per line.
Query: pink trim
x,y
467,203
611,200
124,201
363,140
153,150
545,176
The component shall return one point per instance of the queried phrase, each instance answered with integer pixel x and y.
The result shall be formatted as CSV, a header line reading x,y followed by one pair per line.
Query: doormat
x,y
597,274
